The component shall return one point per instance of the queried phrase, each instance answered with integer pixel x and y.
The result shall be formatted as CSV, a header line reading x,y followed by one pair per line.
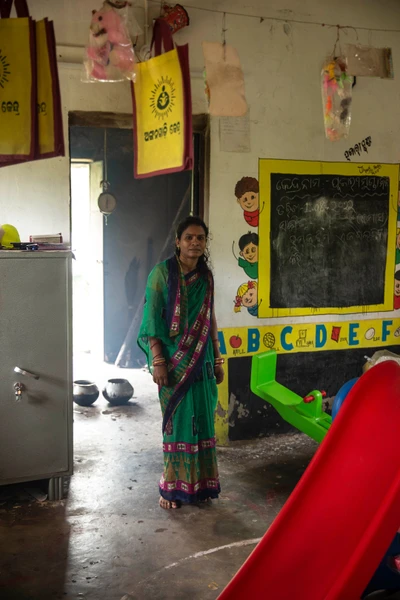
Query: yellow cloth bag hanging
x,y
162,111
46,117
50,129
17,88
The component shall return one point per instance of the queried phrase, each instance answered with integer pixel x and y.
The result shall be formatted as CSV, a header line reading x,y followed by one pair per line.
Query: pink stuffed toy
x,y
110,55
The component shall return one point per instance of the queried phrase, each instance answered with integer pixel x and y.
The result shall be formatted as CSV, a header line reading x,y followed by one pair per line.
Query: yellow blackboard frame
x,y
304,167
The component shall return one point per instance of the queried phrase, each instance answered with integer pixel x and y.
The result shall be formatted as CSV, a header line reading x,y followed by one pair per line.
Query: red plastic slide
x,y
339,521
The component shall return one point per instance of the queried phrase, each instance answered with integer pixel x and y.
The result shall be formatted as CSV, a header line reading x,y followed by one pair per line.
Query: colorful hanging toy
x,y
336,87
176,17
110,55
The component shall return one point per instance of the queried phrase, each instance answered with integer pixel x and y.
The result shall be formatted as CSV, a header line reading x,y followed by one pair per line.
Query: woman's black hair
x,y
183,225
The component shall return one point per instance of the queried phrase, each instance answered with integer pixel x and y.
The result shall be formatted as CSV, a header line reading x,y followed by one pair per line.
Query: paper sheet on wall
x,y
225,80
234,134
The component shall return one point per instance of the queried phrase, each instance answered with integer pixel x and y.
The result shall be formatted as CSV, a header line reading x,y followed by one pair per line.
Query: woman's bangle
x,y
159,362
219,361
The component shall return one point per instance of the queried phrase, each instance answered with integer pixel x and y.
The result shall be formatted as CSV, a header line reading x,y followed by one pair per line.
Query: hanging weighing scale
x,y
106,201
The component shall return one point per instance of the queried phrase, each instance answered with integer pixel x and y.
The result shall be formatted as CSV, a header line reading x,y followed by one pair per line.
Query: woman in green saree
x,y
179,336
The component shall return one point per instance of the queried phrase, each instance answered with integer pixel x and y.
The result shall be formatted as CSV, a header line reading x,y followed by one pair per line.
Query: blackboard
x,y
328,240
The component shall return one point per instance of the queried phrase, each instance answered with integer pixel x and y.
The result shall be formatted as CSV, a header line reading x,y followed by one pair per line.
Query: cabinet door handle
x,y
26,373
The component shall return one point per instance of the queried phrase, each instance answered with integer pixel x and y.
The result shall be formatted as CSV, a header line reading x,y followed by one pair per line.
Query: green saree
x,y
178,312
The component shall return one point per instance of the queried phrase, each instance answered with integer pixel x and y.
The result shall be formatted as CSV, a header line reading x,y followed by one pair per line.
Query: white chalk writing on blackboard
x,y
322,229
296,185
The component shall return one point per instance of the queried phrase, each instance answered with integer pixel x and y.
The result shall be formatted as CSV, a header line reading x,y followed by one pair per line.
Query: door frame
x,y
200,172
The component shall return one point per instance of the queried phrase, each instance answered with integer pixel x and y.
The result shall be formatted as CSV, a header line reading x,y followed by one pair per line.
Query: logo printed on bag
x,y
162,100
4,72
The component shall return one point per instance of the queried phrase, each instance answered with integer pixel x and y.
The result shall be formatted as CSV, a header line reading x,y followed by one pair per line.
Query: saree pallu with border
x,y
178,312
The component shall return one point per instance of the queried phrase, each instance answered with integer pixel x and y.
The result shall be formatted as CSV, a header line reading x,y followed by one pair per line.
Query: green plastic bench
x,y
306,414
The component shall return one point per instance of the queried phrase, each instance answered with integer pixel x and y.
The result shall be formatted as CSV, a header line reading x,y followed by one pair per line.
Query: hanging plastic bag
x,y
336,87
110,55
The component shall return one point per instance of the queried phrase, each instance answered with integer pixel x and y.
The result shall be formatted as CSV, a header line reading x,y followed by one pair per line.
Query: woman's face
x,y
192,243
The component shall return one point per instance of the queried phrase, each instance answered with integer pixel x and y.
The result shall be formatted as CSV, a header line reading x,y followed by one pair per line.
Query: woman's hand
x,y
219,373
160,375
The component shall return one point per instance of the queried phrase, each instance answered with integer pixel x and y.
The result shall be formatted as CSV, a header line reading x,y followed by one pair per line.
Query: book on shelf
x,y
55,238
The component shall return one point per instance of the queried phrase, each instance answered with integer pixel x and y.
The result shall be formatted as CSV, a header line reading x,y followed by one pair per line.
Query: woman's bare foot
x,y
167,504
206,501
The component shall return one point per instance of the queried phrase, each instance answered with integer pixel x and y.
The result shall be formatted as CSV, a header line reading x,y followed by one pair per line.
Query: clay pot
x,y
85,392
118,391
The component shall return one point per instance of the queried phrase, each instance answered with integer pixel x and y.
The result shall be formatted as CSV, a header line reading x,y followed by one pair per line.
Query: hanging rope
x,y
262,18
224,34
104,183
337,42
105,154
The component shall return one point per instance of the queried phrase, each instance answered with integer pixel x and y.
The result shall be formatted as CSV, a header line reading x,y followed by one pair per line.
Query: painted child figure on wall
x,y
398,207
398,247
397,290
248,260
247,296
246,192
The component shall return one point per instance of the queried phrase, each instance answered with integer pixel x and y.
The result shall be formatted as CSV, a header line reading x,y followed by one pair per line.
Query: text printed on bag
x,y
42,108
154,134
14,107
10,107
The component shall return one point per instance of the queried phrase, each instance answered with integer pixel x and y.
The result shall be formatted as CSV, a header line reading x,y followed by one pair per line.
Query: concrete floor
x,y
109,540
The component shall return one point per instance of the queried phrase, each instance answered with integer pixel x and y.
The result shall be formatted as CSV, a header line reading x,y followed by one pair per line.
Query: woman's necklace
x,y
186,268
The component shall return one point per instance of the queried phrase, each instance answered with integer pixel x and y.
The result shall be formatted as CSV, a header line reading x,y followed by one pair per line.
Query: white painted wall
x,y
282,74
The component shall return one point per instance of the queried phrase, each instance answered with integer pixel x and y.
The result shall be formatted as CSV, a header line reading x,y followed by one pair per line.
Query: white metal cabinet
x,y
35,335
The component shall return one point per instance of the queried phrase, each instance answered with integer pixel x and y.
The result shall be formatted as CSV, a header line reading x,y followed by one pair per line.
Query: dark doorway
x,y
137,234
